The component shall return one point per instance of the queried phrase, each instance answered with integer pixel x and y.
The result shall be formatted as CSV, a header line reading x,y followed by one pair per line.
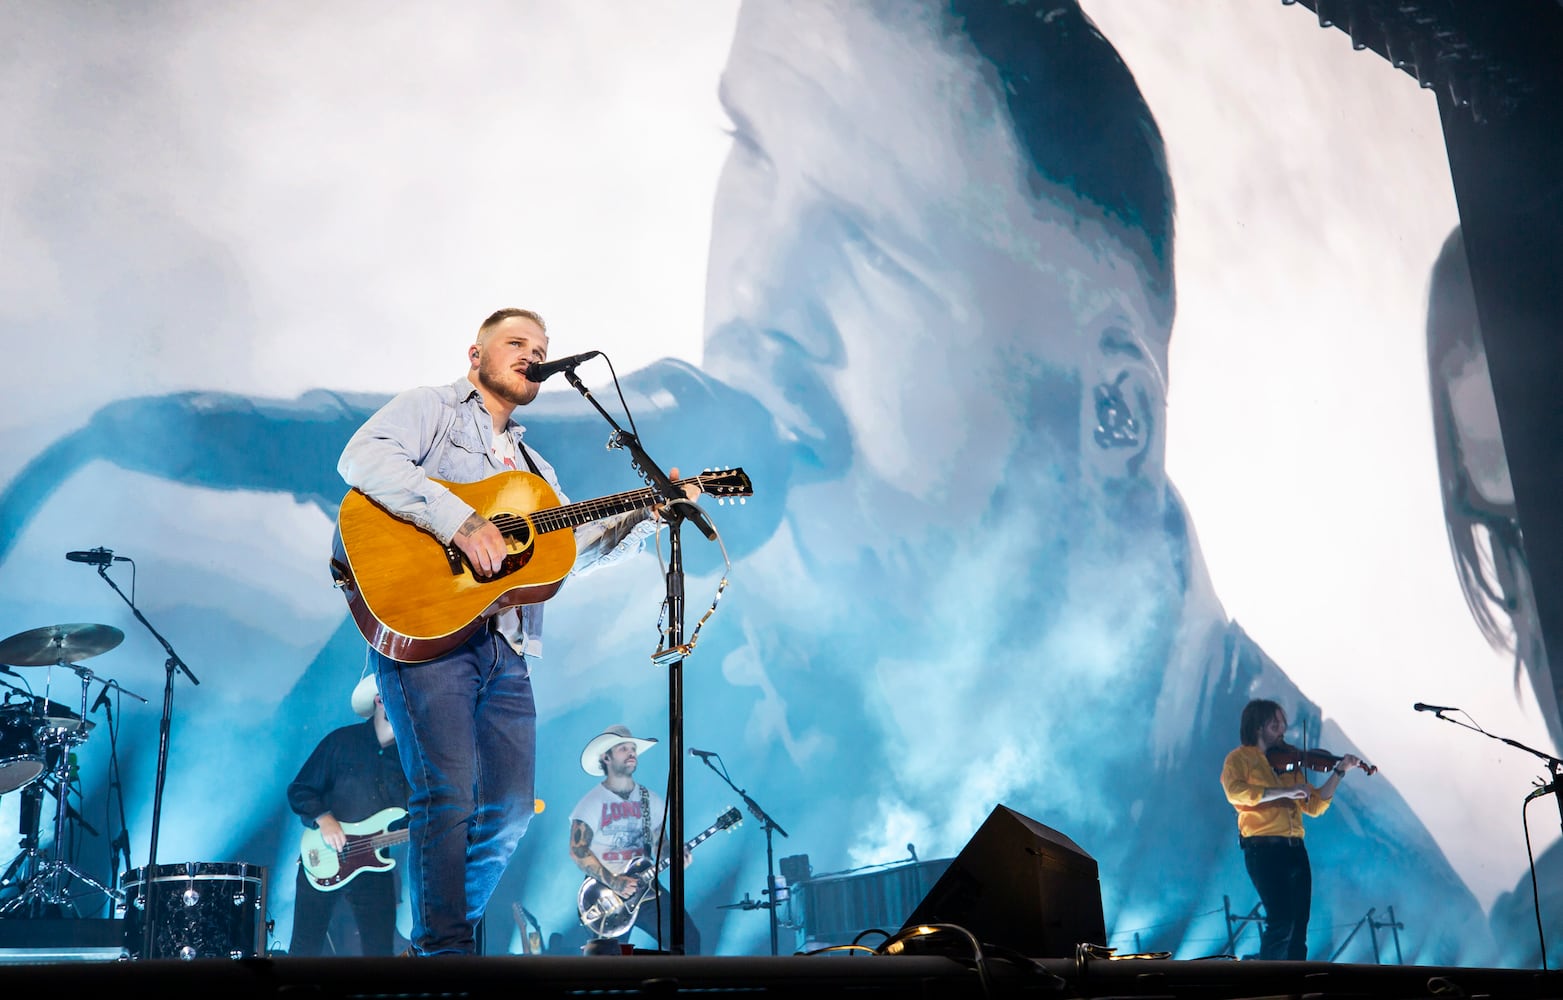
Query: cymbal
x,y
43,710
41,647
64,722
51,728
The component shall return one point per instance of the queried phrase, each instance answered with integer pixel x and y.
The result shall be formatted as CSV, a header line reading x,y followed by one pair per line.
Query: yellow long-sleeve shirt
x,y
1246,775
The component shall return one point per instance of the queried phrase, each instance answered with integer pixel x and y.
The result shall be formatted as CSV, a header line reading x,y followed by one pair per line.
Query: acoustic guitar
x,y
414,598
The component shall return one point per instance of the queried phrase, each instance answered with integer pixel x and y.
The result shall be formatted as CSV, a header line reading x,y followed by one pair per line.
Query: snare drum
x,y
21,758
198,909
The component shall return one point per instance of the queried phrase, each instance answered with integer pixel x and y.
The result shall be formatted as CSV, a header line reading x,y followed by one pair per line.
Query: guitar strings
x,y
570,515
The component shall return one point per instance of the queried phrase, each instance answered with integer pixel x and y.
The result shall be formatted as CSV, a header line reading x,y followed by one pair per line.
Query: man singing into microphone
x,y
465,722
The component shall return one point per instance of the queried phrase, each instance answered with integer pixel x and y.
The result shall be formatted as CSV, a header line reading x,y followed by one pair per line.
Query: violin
x,y
1285,757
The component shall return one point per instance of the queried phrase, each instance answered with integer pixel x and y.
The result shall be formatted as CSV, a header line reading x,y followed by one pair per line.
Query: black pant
x,y
1281,874
372,895
646,920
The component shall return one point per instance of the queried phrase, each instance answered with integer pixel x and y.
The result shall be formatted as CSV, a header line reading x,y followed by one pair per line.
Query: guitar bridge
x,y
453,557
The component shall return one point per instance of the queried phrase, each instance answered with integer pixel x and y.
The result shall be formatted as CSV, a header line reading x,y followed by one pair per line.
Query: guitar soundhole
x,y
518,532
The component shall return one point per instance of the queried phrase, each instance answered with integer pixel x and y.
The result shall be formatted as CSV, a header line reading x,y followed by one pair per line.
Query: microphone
x,y
912,850
702,754
1539,792
537,373
1434,708
95,557
103,700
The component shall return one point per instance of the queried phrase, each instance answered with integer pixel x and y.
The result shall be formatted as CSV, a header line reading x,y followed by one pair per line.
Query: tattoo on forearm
x,y
580,840
581,851
473,522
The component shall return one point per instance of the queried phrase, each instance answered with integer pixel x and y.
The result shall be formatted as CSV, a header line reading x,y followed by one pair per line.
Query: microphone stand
x,y
120,845
770,853
164,725
674,512
1552,787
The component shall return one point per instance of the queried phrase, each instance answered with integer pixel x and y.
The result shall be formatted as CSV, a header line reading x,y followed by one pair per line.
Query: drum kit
x,y
38,738
187,910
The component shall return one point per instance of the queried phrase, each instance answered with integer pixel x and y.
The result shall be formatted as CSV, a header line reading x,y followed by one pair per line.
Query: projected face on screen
x,y
1483,521
966,358
885,279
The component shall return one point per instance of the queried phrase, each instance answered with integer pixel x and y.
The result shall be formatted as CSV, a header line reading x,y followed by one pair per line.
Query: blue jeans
x,y
466,732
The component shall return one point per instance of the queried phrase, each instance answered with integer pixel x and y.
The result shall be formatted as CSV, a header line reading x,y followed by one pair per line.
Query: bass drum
x,y
198,909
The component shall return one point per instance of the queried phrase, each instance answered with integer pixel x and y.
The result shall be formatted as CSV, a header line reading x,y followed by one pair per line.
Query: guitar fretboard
x,y
573,515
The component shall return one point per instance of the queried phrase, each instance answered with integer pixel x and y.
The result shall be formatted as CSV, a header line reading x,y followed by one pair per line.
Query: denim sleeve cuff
x,y
446,515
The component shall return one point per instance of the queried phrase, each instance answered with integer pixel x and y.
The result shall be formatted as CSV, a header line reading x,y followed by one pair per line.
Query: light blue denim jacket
x,y
446,433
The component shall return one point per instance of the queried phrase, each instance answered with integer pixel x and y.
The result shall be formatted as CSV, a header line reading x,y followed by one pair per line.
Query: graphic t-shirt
x,y
618,831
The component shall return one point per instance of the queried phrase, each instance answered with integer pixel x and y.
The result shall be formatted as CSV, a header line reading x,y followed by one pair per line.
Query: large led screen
x,y
1096,371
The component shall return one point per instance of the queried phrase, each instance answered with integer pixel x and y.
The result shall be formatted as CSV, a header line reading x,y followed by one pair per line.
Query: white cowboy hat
x,y
591,757
363,696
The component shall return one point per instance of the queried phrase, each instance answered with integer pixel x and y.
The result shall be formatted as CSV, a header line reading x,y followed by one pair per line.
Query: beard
x,y
506,383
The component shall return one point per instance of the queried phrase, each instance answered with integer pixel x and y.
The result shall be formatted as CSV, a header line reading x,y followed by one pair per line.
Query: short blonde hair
x,y
500,315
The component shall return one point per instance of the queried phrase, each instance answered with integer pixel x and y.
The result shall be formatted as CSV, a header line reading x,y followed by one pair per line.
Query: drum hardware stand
x,y
675,510
776,888
21,869
172,664
46,885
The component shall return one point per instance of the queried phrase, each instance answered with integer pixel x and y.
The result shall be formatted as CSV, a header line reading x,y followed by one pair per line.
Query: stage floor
x,y
857,975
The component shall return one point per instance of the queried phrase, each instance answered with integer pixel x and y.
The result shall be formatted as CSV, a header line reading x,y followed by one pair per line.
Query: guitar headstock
x,y
731,818
726,485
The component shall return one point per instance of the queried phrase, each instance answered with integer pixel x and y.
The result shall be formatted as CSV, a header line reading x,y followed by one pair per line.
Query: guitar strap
x,y
645,822
521,447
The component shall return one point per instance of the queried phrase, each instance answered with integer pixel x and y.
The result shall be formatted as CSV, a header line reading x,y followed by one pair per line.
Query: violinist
x,y
1270,807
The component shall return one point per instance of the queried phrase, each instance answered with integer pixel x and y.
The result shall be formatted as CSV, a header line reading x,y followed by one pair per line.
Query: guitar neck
x,y
662,865
388,839
576,514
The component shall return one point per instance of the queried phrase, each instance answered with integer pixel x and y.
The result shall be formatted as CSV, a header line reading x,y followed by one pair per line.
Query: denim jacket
x,y
445,432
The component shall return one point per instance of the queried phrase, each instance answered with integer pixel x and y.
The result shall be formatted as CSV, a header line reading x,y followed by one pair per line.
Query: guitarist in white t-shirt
x,y
617,828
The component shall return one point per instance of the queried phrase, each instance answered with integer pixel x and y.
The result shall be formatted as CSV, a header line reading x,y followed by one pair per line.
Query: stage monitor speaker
x,y
1020,885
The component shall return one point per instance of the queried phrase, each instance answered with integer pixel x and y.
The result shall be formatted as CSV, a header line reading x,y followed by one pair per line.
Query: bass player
x,y
352,774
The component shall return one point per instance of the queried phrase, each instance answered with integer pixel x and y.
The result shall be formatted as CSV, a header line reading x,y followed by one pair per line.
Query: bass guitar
x,y
414,598
609,914
329,869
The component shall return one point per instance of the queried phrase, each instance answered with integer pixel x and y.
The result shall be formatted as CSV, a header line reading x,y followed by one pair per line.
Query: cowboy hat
x,y
363,696
591,757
